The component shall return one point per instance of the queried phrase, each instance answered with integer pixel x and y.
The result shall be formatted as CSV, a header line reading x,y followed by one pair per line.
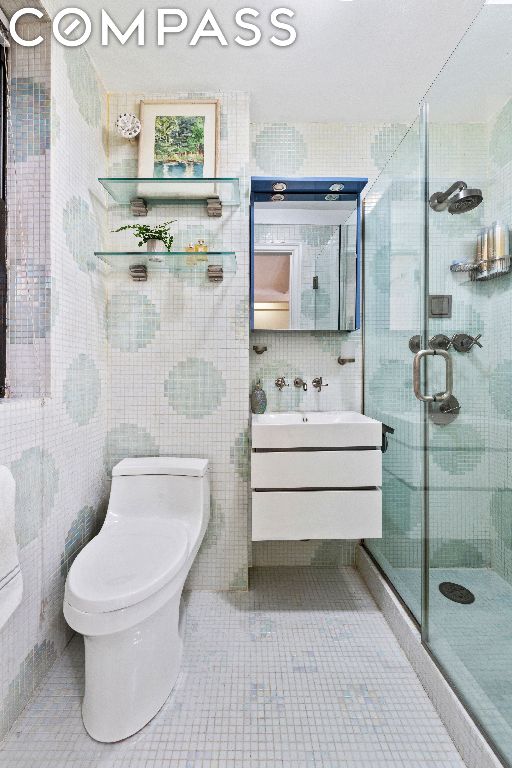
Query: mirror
x,y
304,261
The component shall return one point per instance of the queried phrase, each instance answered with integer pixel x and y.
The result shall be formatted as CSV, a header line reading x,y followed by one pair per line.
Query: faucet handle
x,y
463,342
318,383
281,383
300,384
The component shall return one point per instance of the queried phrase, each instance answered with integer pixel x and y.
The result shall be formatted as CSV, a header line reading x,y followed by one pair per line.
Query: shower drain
x,y
456,592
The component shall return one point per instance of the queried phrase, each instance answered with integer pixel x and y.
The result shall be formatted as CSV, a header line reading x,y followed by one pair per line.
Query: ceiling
x,y
357,61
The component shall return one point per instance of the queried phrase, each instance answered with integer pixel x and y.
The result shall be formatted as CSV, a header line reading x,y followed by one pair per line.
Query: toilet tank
x,y
162,487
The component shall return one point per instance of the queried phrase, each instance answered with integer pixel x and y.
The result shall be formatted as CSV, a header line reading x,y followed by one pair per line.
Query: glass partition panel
x,y
470,506
393,280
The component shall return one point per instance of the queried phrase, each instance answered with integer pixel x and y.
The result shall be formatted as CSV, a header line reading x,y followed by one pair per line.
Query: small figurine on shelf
x,y
201,249
191,259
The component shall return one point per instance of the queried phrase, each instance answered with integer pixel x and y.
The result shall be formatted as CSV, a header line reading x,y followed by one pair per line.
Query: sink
x,y
315,429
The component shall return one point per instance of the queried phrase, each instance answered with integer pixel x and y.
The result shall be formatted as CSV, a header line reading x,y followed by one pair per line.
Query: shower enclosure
x,y
439,280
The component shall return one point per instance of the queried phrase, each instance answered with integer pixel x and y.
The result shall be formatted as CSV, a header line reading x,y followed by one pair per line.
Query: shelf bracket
x,y
139,273
139,206
215,273
214,207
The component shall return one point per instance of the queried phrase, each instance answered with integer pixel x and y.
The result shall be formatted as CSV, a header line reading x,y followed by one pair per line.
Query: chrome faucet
x,y
318,383
281,383
300,384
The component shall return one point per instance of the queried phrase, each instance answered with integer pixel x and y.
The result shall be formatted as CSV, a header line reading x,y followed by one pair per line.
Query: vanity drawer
x,y
296,515
316,469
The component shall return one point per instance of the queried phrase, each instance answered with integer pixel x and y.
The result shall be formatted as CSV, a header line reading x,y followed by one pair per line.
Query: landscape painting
x,y
179,142
179,146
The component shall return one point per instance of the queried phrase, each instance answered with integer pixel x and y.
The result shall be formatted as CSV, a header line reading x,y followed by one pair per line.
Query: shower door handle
x,y
416,375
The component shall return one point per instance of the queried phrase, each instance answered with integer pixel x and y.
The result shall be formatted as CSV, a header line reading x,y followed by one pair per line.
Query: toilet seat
x,y
127,562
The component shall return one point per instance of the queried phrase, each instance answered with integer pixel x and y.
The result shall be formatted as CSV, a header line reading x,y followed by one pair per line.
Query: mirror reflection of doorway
x,y
277,286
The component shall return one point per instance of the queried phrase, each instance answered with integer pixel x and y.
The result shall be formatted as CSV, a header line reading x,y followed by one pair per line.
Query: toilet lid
x,y
128,561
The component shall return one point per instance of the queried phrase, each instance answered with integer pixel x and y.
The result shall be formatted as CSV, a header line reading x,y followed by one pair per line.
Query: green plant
x,y
145,232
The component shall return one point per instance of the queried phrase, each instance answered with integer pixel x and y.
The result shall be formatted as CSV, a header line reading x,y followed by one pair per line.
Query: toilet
x,y
123,591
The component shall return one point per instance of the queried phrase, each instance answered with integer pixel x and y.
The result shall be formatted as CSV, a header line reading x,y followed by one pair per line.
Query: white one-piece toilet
x,y
123,591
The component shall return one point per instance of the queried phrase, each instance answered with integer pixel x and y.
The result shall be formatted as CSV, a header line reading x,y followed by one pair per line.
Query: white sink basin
x,y
314,429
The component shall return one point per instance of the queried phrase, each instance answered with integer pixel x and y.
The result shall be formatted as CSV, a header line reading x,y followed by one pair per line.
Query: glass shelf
x,y
175,261
167,191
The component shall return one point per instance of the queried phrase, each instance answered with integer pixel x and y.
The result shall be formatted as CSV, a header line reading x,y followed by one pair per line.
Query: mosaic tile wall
x,y
178,348
314,149
53,426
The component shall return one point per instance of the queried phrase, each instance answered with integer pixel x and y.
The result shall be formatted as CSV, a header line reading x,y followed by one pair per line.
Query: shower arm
x,y
442,197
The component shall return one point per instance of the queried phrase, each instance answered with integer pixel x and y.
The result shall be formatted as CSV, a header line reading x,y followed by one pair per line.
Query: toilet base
x,y
130,674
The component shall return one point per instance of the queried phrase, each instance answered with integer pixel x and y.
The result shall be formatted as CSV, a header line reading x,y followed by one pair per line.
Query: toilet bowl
x,y
123,591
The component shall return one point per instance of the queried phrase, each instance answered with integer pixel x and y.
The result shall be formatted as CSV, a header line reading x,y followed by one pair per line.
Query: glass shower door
x,y
393,330
468,623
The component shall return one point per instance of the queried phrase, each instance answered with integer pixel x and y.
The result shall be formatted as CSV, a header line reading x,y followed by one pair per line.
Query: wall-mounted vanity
x,y
316,476
305,253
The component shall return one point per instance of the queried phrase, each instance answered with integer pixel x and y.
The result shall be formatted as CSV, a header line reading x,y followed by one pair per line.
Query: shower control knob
x,y
440,341
463,342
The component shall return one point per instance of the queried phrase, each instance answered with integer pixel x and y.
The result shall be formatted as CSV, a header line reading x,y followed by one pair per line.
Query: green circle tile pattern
x,y
280,149
37,480
391,384
385,142
501,519
195,388
216,526
330,341
82,529
132,321
500,388
327,553
82,389
240,320
240,453
457,448
84,85
399,515
128,440
455,554
81,231
240,579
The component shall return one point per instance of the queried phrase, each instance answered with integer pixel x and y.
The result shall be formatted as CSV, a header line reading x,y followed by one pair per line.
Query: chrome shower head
x,y
463,200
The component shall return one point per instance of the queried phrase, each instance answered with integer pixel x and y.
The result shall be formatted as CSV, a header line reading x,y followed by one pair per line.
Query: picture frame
x,y
179,140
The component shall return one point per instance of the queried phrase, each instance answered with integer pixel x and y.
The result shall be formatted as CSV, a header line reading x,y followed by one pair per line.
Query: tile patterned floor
x,y
300,672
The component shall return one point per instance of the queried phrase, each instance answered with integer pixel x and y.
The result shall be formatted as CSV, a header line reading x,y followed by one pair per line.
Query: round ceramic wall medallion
x,y
128,125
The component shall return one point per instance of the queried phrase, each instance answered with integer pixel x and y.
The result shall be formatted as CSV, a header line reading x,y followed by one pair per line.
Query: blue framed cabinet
x,y
305,244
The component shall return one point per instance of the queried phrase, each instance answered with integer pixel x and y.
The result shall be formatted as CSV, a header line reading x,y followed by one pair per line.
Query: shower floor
x,y
473,642
302,671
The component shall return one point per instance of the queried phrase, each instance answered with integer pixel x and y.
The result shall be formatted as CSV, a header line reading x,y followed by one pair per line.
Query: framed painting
x,y
179,140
